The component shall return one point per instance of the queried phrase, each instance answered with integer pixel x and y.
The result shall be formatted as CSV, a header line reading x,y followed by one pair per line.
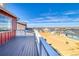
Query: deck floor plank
x,y
21,45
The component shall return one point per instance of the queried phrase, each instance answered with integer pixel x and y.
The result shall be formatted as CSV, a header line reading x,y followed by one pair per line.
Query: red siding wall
x,y
0,38
8,35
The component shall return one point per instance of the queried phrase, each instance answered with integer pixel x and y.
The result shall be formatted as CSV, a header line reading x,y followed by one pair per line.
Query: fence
x,y
44,49
5,36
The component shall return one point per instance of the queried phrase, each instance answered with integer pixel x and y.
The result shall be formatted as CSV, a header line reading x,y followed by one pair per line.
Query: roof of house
x,y
6,12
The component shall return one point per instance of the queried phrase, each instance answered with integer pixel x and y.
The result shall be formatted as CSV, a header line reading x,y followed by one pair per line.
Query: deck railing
x,y
5,36
20,33
44,49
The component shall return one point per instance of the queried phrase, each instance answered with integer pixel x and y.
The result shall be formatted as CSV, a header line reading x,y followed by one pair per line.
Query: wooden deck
x,y
20,46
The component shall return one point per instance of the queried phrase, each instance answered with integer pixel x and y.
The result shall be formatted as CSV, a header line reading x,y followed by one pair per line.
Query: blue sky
x,y
46,14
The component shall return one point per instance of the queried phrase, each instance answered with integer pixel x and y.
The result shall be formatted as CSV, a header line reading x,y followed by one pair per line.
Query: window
x,y
5,23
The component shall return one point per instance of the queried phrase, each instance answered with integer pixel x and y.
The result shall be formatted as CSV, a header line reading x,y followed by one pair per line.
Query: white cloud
x,y
51,19
25,21
35,19
77,20
71,12
57,18
48,14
